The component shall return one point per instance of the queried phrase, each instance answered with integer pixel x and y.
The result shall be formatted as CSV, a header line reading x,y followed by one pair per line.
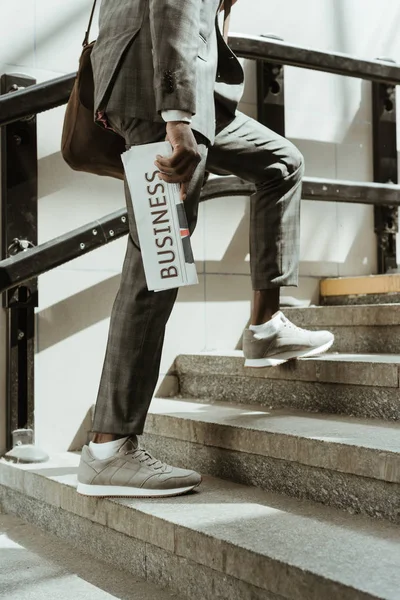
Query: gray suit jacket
x,y
155,55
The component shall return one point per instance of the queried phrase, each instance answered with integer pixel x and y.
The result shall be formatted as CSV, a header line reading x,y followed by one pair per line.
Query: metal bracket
x,y
271,93
385,170
19,190
24,449
19,193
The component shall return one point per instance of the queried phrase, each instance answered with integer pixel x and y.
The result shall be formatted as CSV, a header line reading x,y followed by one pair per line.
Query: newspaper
x,y
160,219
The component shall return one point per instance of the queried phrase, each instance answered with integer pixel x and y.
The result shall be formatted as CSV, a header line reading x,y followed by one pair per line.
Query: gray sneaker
x,y
132,472
288,342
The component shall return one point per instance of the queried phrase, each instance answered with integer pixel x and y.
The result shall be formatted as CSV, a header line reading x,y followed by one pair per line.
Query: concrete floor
x,y
37,566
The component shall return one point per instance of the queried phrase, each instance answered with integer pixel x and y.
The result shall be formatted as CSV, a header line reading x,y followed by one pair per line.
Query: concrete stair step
x,y
349,463
361,385
226,541
357,329
367,289
38,566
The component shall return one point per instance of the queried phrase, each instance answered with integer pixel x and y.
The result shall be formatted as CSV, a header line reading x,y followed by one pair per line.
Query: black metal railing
x,y
22,263
35,99
278,52
19,269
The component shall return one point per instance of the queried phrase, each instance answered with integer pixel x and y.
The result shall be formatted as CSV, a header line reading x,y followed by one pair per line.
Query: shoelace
x,y
145,457
289,324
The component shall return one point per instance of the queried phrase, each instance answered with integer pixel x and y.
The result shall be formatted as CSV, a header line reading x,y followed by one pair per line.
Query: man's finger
x,y
168,169
169,161
170,178
180,169
177,157
184,190
185,174
175,178
186,166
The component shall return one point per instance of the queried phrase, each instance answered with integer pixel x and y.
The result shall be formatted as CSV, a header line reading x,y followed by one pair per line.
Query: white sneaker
x,y
132,472
285,342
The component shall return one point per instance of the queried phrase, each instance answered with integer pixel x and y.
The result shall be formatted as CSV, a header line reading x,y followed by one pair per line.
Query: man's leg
x,y
253,152
133,354
138,320
131,366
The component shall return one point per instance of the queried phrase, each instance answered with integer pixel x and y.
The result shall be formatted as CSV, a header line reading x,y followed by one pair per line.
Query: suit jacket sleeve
x,y
175,26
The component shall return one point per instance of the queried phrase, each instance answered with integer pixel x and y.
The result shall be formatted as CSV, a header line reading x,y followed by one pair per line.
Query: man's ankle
x,y
104,438
265,305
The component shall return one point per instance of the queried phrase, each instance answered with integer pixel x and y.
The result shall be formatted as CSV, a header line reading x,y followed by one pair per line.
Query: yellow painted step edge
x,y
353,286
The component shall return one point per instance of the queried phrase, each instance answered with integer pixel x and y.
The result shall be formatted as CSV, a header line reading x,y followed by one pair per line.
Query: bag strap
x,y
227,18
86,39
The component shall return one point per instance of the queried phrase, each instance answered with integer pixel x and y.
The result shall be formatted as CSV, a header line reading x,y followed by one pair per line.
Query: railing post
x,y
385,170
19,192
271,93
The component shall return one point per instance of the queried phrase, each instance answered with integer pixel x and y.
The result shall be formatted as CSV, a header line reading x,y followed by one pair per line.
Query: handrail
x,y
36,261
35,99
261,48
351,192
26,265
53,93
314,188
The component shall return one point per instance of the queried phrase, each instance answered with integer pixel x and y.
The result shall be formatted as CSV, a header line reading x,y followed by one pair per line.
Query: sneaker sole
x,y
285,356
120,491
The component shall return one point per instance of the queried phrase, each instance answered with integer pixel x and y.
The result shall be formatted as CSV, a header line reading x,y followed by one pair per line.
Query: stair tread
x,y
363,285
347,444
346,316
328,356
335,429
378,370
55,569
357,358
270,541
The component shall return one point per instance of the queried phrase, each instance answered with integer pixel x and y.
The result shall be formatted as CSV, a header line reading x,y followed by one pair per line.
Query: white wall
x,y
328,117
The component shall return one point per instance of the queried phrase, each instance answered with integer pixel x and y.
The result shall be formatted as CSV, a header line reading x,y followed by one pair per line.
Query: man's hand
x,y
179,168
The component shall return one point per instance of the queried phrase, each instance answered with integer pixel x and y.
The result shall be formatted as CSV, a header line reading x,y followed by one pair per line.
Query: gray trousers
x,y
245,148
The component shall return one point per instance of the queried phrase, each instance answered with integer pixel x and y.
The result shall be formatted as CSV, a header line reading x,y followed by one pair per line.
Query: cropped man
x,y
162,70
